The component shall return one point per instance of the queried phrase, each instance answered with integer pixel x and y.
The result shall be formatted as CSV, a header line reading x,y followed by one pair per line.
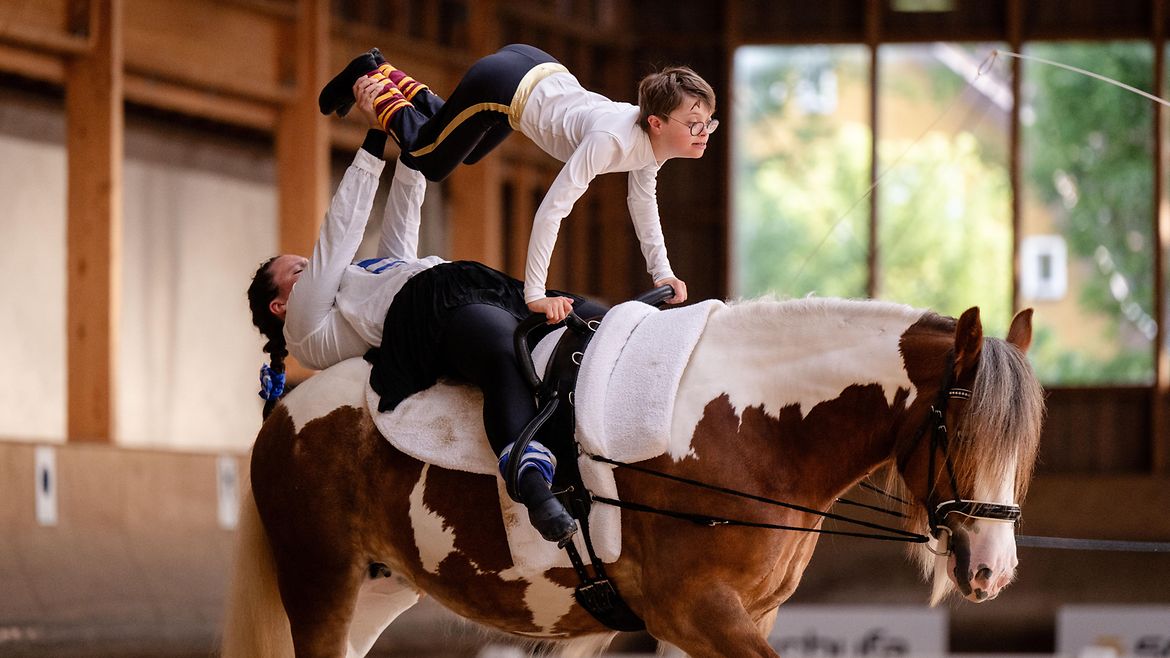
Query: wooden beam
x,y
302,141
873,37
1159,418
1015,38
475,217
94,143
302,134
30,64
185,99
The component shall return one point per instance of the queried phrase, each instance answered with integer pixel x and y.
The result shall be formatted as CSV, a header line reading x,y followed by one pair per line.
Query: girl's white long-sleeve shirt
x,y
592,135
337,308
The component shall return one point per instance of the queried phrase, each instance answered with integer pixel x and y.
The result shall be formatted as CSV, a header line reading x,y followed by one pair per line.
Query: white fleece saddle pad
x,y
624,403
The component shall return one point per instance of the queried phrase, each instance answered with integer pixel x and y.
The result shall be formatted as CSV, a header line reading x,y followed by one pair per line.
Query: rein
x,y
939,442
894,534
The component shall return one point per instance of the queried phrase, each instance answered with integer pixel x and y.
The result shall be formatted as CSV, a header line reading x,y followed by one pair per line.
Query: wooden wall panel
x,y
1096,430
232,49
44,25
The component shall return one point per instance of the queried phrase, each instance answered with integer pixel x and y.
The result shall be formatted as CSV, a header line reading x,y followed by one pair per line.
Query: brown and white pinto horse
x,y
796,401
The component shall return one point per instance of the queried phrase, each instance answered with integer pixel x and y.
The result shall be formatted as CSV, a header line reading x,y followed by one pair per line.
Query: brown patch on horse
x,y
923,345
470,503
803,458
314,537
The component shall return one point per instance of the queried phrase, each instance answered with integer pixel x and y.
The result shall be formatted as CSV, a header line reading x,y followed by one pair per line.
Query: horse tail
x,y
256,624
584,647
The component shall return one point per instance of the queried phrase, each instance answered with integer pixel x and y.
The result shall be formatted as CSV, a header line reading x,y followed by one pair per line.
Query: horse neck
x,y
773,362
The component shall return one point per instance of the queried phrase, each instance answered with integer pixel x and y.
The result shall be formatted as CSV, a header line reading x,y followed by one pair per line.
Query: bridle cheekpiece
x,y
939,442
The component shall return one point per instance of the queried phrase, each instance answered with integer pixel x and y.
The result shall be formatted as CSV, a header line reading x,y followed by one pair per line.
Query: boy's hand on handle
x,y
365,90
680,289
553,308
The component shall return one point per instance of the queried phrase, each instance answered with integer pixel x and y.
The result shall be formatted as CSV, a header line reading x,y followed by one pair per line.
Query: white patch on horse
x,y
801,352
547,601
433,537
338,386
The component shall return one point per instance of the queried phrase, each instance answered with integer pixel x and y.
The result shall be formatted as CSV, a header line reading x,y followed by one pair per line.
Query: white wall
x,y
32,268
199,216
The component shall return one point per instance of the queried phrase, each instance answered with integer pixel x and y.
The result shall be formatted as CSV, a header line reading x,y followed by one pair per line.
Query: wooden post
x,y
1159,432
1015,39
302,134
873,35
474,214
94,144
302,141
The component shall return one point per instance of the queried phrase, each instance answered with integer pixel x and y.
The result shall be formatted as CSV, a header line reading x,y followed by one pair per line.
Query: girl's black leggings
x,y
478,348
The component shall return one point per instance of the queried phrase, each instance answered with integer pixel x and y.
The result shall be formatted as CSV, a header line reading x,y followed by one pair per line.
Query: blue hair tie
x,y
271,383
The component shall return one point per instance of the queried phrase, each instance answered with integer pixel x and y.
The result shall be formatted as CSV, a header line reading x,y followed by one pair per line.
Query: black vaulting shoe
x,y
337,94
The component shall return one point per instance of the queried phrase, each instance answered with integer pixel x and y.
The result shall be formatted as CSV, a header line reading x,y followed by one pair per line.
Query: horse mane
x,y
771,309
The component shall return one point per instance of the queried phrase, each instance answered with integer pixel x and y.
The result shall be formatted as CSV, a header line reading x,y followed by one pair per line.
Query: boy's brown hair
x,y
660,93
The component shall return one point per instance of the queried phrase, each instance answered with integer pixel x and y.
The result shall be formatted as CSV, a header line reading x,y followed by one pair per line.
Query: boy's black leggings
x,y
436,136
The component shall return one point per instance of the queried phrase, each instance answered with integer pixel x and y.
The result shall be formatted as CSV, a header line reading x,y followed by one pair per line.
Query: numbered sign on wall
x,y
227,486
45,469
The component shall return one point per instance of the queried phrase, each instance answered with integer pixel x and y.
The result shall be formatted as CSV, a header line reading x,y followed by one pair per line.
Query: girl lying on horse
x,y
428,318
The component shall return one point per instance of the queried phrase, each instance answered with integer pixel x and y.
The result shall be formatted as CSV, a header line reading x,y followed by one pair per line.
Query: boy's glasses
x,y
698,126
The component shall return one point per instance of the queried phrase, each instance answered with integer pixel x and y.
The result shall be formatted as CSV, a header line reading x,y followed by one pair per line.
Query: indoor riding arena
x,y
923,328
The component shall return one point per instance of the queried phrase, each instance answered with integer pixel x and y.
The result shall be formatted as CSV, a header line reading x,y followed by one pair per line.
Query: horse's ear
x,y
1020,333
968,342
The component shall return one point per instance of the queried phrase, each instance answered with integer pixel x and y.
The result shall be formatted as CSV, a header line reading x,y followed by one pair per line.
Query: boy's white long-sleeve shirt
x,y
592,135
337,308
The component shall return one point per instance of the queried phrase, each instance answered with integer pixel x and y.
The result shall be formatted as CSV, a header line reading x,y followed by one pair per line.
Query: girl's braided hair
x,y
261,292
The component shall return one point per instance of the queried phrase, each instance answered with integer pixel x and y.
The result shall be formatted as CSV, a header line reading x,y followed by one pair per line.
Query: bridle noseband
x,y
936,421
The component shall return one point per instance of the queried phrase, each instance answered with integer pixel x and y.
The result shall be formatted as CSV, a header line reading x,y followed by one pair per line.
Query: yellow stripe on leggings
x,y
463,116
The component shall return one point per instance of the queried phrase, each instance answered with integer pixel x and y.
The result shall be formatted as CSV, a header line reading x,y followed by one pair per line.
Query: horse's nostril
x,y
984,573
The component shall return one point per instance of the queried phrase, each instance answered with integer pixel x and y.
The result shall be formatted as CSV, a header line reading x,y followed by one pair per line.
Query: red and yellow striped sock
x,y
407,84
388,101
410,86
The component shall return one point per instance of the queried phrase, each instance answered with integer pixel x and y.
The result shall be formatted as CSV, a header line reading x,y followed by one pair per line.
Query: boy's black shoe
x,y
337,94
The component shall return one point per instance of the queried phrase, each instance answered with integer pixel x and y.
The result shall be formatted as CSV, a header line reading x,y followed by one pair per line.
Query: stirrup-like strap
x,y
510,468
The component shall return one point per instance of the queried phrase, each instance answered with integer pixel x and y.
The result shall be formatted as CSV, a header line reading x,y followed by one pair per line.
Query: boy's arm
x,y
593,156
642,199
401,221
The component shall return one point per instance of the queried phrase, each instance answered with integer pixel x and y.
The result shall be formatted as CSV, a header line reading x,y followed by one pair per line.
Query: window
x,y
943,212
1087,180
800,150
944,199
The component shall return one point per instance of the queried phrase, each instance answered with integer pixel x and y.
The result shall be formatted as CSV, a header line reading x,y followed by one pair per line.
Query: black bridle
x,y
936,420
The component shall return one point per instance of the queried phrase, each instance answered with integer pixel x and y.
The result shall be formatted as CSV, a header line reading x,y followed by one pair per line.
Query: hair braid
x,y
261,292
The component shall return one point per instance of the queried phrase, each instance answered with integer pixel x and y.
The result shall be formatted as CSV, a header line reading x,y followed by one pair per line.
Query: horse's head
x,y
970,459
